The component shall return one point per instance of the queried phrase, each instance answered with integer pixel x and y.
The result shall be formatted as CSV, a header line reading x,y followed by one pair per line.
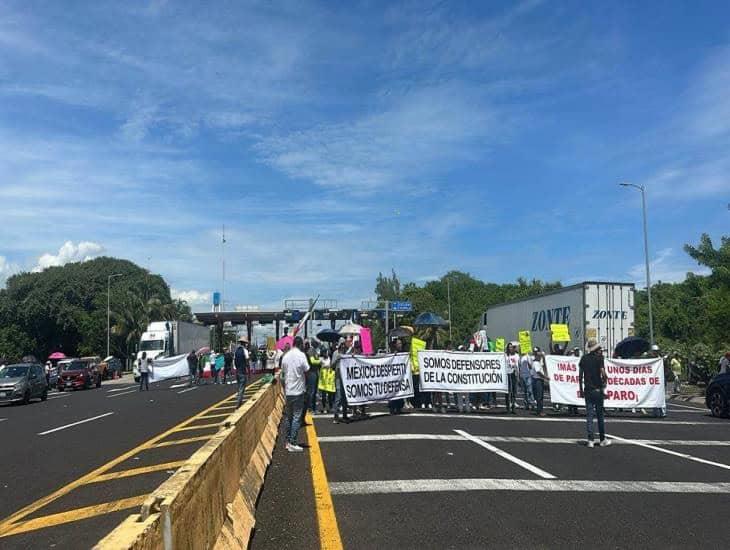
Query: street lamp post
x,y
646,256
108,309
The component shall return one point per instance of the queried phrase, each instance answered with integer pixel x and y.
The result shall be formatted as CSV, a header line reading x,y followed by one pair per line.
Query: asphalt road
x,y
49,449
421,480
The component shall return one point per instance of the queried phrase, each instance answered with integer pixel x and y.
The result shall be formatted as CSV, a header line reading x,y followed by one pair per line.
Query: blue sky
x,y
336,140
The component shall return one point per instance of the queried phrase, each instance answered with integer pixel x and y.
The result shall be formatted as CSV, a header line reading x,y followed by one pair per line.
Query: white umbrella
x,y
350,329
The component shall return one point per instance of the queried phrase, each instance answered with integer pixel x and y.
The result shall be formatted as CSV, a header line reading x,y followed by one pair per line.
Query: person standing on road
x,y
192,366
240,360
591,383
340,397
538,375
227,365
294,367
724,365
513,365
145,365
676,367
526,378
313,377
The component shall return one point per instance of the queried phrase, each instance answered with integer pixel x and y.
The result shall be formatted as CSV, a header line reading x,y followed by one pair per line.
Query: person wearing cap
x,y
591,382
513,364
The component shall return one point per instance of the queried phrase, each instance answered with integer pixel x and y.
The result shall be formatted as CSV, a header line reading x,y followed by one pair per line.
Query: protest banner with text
x,y
460,371
371,379
631,382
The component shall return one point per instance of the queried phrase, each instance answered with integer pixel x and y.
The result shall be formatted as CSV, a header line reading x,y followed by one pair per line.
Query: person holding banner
x,y
592,380
539,376
526,378
513,364
340,397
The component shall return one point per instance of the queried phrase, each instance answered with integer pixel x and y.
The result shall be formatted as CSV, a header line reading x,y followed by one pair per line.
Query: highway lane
x,y
424,480
50,446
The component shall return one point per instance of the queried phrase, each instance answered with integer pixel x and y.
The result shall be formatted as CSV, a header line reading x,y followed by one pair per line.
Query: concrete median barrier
x,y
210,501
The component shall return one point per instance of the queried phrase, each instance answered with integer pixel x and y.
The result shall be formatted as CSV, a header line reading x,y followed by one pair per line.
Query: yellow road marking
x,y
7,524
74,515
222,415
199,427
181,441
329,532
138,471
225,407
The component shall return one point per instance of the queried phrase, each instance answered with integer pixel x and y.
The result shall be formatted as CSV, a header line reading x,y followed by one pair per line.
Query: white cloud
x,y
665,268
70,252
192,297
7,269
710,103
402,143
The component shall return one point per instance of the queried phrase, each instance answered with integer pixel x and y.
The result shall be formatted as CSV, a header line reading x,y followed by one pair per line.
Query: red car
x,y
75,374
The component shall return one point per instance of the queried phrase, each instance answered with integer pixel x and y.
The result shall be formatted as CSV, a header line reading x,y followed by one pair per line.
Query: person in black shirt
x,y
592,380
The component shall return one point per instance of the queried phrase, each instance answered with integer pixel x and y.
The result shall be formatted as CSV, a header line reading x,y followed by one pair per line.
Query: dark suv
x,y
76,374
22,382
717,396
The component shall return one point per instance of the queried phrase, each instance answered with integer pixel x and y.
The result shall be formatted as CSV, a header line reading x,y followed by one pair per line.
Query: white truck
x,y
601,310
169,338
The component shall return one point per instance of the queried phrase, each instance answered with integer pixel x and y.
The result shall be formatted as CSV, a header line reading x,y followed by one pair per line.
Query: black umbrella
x,y
328,335
429,319
400,332
632,346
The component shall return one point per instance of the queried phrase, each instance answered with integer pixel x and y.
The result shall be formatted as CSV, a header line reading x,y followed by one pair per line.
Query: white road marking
x,y
609,419
510,439
504,454
121,389
59,396
75,424
673,404
529,485
673,453
187,390
178,385
3,419
135,390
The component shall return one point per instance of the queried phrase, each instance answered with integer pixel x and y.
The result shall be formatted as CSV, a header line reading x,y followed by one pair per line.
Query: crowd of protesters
x,y
311,378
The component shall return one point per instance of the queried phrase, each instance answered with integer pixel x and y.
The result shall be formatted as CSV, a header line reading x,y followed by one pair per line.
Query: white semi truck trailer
x,y
170,338
601,310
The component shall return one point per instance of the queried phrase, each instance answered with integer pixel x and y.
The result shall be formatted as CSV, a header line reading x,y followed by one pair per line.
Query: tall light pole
x,y
108,309
448,293
646,256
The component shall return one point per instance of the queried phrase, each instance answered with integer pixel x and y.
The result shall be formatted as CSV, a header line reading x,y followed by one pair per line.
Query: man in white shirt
x,y
294,365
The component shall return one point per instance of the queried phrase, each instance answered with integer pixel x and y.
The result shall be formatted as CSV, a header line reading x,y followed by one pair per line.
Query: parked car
x,y
22,382
717,396
96,363
111,367
77,374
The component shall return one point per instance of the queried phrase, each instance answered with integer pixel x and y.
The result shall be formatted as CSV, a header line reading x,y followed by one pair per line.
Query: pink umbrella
x,y
202,351
281,344
57,355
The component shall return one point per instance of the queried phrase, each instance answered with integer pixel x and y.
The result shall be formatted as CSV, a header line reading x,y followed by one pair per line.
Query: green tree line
x,y
691,317
64,309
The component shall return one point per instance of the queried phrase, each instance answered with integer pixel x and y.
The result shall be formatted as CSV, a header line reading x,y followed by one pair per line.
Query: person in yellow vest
x,y
326,383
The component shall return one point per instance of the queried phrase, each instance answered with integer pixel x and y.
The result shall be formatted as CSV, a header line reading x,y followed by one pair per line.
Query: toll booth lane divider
x,y
223,479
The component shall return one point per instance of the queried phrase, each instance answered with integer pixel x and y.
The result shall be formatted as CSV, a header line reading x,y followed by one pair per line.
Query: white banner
x,y
462,371
169,367
372,379
632,383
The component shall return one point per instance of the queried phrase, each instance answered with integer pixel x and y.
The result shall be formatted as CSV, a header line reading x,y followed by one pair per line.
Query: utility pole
x,y
108,310
223,269
646,256
448,293
387,327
